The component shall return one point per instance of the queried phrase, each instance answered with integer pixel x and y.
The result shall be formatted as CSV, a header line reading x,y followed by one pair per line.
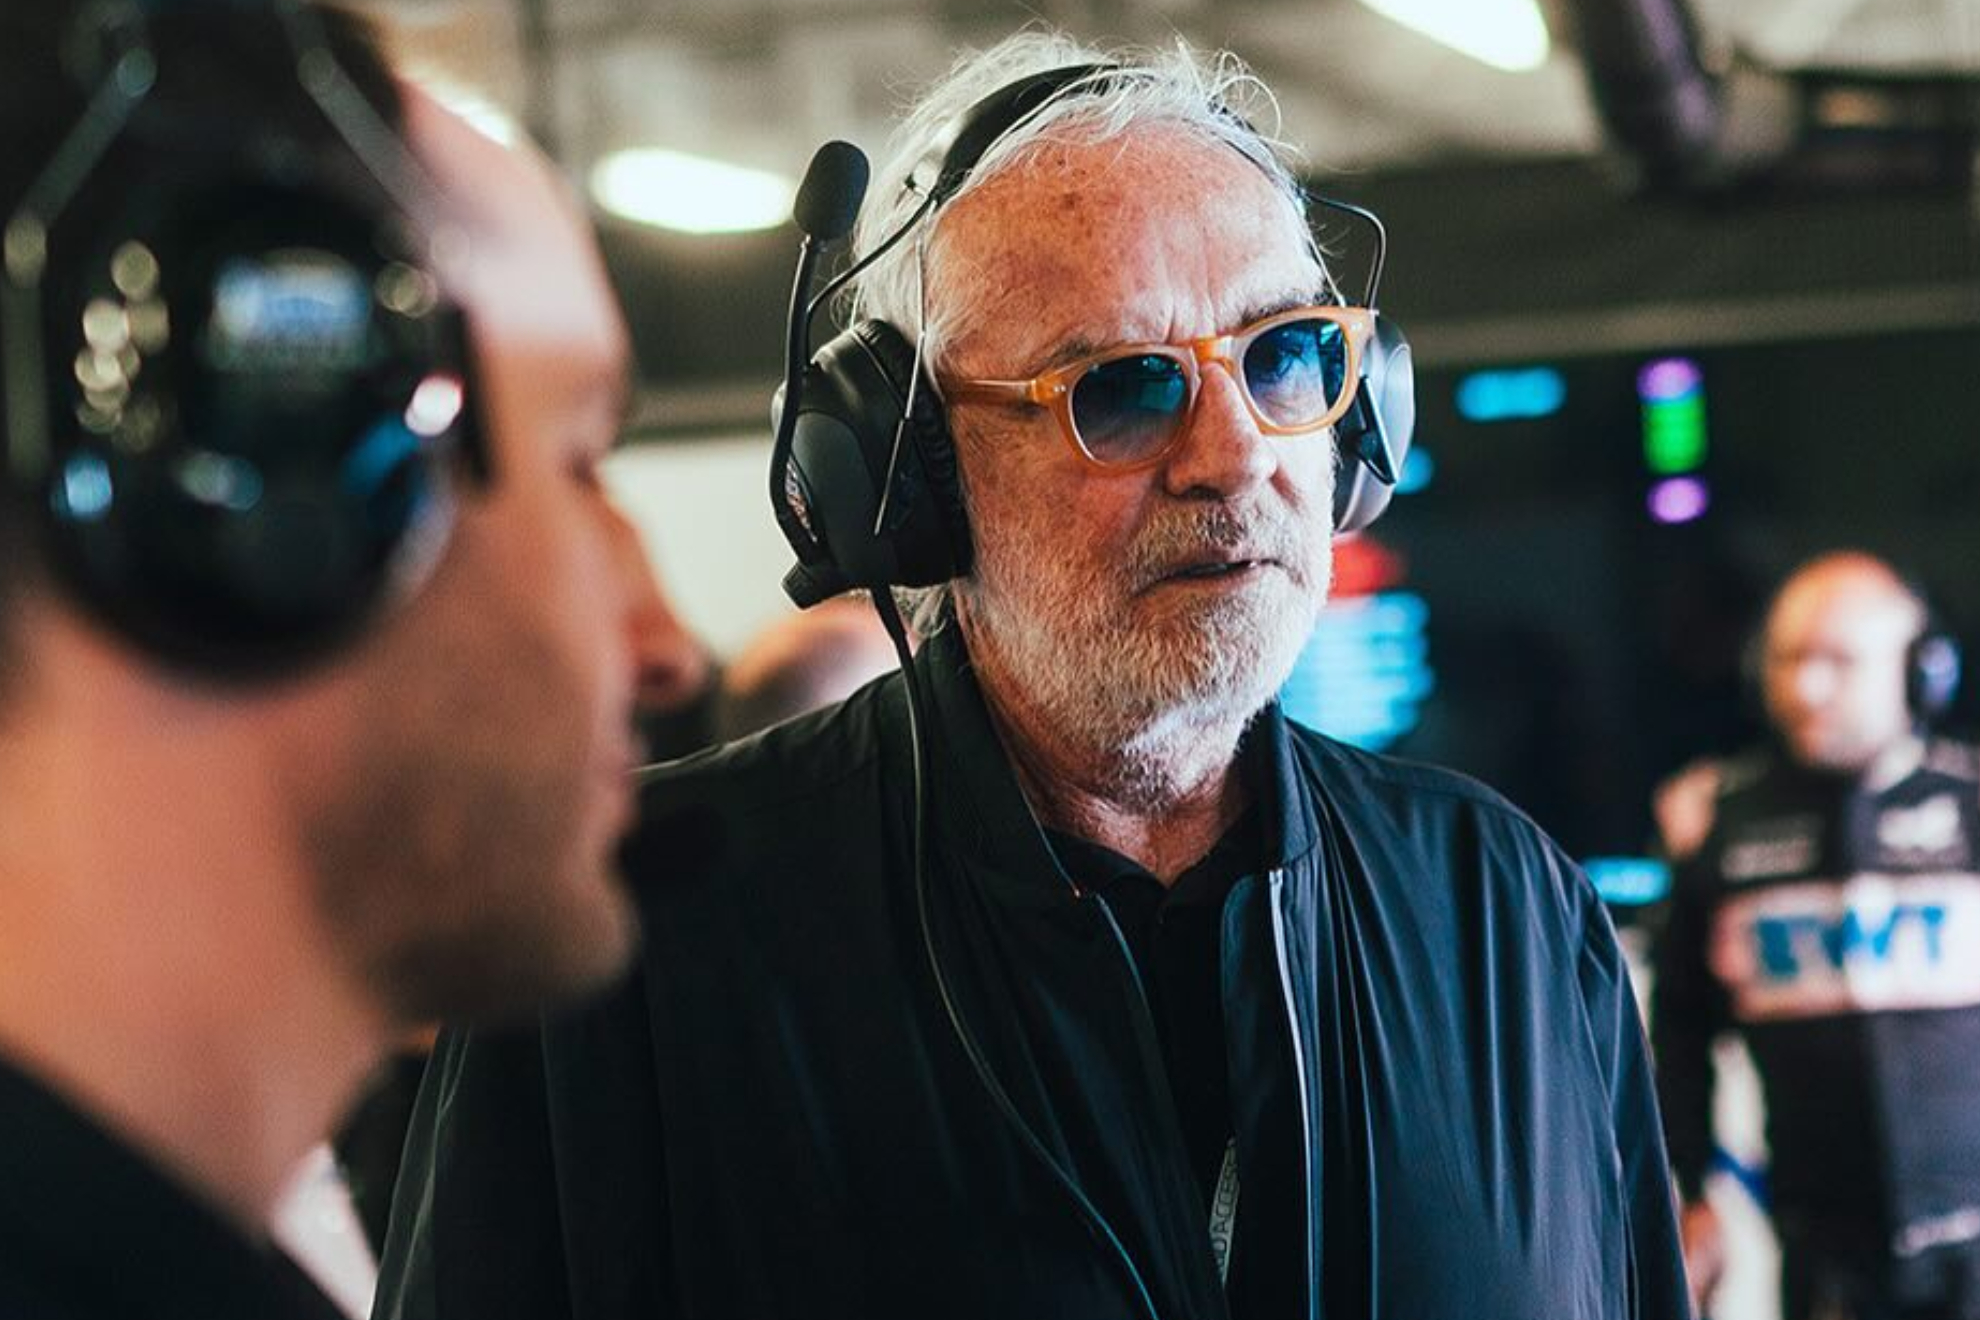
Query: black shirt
x,y
1175,933
89,1230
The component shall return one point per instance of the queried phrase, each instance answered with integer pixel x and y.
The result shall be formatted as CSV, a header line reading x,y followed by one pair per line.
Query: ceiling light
x,y
676,190
1506,34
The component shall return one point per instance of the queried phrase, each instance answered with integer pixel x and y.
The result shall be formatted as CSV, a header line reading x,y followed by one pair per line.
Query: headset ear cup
x,y
928,432
854,396
280,496
1352,498
1377,430
1932,674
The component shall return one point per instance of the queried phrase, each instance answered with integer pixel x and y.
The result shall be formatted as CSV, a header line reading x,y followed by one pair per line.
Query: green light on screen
x,y
1674,435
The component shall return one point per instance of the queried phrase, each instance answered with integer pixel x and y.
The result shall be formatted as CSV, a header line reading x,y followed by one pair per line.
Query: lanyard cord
x,y
1223,1202
1096,1223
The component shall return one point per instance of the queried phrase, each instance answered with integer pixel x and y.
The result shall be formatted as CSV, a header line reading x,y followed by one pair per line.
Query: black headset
x,y
863,471
233,385
1932,667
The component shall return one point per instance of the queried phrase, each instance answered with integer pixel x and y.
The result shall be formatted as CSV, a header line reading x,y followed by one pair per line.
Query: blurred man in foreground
x,y
317,646
1173,1009
1828,908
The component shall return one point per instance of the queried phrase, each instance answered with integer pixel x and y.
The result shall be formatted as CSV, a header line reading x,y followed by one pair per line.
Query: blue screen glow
x,y
1509,395
1417,471
1365,671
1629,881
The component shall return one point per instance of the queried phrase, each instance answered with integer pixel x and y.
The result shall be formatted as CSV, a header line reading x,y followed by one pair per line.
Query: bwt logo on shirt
x,y
1783,942
1869,943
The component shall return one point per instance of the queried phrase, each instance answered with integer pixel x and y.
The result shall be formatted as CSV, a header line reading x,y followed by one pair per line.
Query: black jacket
x,y
90,1230
1835,926
1438,1075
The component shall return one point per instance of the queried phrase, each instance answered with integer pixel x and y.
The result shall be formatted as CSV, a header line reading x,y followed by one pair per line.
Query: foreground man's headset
x,y
863,482
233,386
863,470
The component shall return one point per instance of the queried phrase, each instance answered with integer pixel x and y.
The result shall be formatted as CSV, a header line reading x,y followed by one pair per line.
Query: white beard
x,y
1158,690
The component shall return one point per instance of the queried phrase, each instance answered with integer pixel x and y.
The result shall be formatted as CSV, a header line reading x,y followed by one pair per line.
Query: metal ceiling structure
x,y
758,82
1716,168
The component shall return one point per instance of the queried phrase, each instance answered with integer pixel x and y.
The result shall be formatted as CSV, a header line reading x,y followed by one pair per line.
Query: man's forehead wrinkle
x,y
1080,248
1041,342
991,287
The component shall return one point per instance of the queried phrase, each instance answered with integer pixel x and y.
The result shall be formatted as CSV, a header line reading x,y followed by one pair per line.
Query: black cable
x,y
1127,953
880,250
1096,1223
1374,286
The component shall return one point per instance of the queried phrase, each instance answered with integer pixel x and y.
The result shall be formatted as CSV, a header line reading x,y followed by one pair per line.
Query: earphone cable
x,y
1096,1223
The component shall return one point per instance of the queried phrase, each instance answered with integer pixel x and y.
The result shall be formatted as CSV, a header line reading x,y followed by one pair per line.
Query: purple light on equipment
x,y
1679,500
1667,379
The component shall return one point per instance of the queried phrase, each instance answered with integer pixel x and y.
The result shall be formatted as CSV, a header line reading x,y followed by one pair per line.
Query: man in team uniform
x,y
1831,914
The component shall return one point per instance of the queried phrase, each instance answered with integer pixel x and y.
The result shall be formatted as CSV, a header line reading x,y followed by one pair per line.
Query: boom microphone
x,y
827,204
834,185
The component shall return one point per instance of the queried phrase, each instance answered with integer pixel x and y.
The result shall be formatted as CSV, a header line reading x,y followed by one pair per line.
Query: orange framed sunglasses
x,y
1126,408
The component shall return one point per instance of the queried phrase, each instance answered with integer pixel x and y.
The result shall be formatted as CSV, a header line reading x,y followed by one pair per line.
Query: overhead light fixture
x,y
676,190
1506,34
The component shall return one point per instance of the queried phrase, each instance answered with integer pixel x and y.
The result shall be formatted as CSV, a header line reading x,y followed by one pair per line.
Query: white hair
x,y
1213,98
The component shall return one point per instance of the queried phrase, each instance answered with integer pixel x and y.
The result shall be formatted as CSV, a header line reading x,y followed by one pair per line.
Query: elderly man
x,y
1174,1010
317,648
1828,908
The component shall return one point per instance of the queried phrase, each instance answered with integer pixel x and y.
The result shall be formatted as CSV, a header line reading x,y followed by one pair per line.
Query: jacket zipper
x,y
1279,900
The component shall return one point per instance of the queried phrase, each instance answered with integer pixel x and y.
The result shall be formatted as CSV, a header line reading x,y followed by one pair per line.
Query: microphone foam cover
x,y
834,185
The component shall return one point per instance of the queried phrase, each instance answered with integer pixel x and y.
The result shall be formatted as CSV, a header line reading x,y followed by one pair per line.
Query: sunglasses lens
x,y
1296,371
1128,409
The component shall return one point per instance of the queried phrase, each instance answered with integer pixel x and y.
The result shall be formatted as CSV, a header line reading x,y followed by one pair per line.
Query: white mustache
x,y
1192,535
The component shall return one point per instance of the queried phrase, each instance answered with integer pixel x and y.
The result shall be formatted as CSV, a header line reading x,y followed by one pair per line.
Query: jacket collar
x,y
89,1218
978,811
1287,788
